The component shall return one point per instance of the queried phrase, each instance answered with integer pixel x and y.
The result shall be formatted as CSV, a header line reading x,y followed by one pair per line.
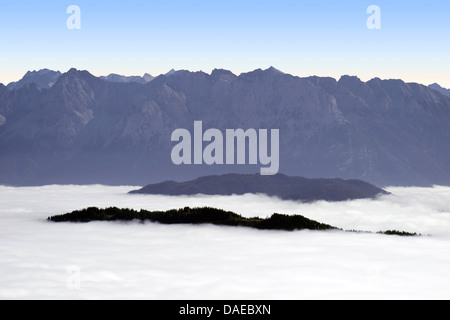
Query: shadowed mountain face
x,y
87,130
287,188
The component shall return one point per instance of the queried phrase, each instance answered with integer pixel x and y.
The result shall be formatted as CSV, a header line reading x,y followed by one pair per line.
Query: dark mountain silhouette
x,y
285,187
193,216
87,130
205,215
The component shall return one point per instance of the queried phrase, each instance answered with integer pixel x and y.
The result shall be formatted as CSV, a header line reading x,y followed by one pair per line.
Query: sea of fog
x,y
111,260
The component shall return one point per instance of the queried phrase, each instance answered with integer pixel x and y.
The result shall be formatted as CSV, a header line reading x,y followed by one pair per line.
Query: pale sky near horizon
x,y
303,38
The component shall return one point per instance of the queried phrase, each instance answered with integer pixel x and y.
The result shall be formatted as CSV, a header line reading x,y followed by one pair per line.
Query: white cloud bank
x,y
44,260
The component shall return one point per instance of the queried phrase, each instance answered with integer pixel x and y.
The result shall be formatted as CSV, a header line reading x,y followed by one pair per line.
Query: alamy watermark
x,y
374,20
229,150
74,279
74,20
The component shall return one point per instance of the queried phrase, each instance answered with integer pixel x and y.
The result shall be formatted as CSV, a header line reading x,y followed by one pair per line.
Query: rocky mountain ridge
x,y
84,129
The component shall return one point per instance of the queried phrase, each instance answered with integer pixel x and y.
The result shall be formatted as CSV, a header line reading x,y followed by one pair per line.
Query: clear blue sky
x,y
321,37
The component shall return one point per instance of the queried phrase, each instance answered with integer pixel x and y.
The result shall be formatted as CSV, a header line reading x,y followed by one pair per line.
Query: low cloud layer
x,y
39,259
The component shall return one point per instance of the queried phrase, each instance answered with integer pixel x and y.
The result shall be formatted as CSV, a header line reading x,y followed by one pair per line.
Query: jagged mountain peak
x,y
77,71
40,72
148,77
273,70
44,78
170,72
439,88
73,74
114,77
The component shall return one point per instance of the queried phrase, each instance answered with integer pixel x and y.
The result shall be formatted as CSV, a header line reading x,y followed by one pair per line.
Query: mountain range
x,y
43,78
77,128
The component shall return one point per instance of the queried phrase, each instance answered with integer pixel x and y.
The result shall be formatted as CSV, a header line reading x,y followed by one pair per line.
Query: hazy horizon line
x,y
155,75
